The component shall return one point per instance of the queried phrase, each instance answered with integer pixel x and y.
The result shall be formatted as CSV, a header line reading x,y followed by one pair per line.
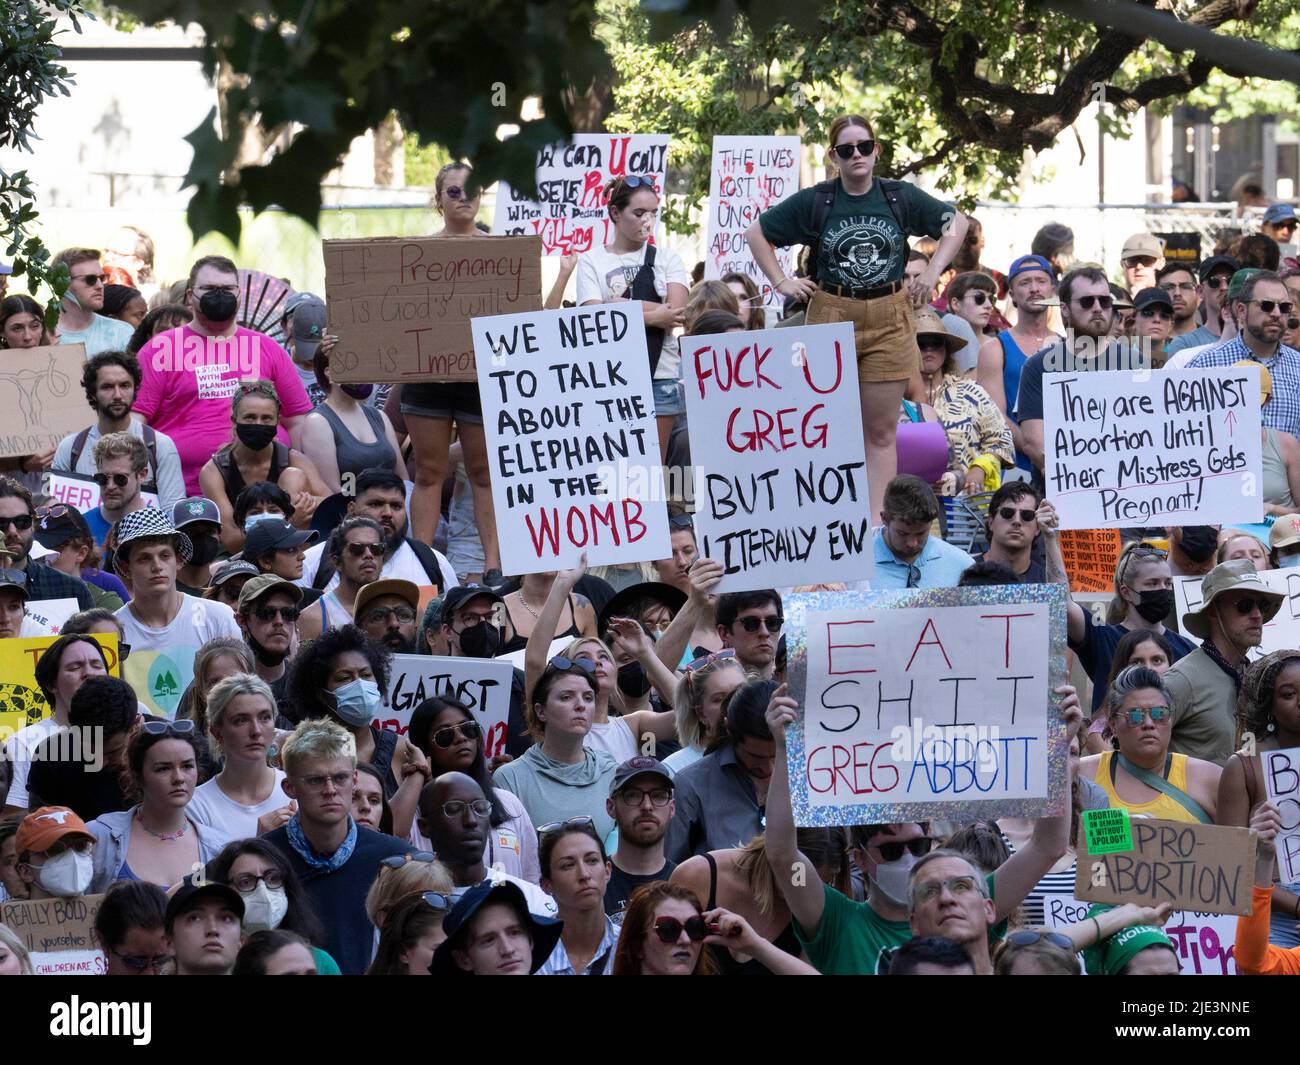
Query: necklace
x,y
185,827
536,613
931,392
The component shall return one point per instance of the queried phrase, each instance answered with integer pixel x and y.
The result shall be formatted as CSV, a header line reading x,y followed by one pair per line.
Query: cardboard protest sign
x,y
481,684
569,213
1282,782
1204,942
1280,634
749,175
1091,556
40,398
401,306
21,701
80,491
1136,448
776,422
59,934
1207,868
572,442
926,703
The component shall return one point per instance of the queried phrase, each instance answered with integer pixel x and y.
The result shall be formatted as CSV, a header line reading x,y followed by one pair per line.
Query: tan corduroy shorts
x,y
883,328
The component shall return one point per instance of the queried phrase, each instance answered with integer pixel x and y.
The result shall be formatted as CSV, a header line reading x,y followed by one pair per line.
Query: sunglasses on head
x,y
55,510
1156,713
445,737
1269,306
891,852
1007,513
1087,302
752,624
587,665
155,727
863,147
670,929
118,479
396,861
357,550
704,660
1027,937
270,613
639,181
582,821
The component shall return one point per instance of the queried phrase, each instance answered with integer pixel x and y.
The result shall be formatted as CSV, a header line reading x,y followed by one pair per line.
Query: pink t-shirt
x,y
188,380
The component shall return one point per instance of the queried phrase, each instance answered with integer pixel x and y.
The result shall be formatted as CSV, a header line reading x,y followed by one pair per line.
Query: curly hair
x,y
1255,700
312,667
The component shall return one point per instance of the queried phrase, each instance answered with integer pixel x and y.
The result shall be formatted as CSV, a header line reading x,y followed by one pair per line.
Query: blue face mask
x,y
1289,562
253,519
357,702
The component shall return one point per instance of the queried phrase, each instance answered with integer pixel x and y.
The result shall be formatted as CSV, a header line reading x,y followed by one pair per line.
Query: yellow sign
x,y
21,701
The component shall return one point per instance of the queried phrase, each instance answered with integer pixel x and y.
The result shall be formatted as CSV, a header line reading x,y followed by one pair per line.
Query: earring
x,y
1272,726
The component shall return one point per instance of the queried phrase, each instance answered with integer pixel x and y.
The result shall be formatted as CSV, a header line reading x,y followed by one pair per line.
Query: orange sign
x,y
1091,556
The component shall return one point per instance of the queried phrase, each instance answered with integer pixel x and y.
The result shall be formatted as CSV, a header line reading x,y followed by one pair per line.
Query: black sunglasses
x,y
1104,302
587,665
753,624
930,342
138,963
981,298
681,521
1217,281
891,852
357,550
1245,606
1007,513
582,821
1154,312
455,192
1268,306
396,861
445,737
21,522
118,479
270,613
863,147
669,929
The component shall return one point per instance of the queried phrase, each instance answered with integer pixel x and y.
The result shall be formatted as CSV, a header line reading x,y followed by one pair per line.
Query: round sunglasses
x,y
669,929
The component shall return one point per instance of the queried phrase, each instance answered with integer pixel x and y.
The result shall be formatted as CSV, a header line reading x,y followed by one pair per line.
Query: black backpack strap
x,y
428,560
78,446
823,202
896,196
325,571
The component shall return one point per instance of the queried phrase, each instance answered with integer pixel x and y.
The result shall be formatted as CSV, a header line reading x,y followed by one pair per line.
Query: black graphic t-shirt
x,y
861,245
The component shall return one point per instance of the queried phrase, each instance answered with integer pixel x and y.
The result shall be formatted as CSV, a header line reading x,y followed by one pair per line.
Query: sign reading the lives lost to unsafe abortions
x,y
927,703
482,685
41,398
572,444
401,306
569,213
1091,556
1178,447
1280,634
749,175
1282,782
1205,868
776,424
59,934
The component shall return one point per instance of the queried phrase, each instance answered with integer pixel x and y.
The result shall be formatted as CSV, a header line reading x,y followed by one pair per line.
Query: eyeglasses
x,y
1269,306
468,730
560,826
1218,281
1156,312
1249,604
379,615
1139,260
270,613
704,660
155,727
635,796
1027,937
670,929
91,280
118,479
1104,302
1156,713
1178,286
56,510
396,861
893,850
138,963
752,624
246,883
456,808
357,550
587,665
318,782
863,147
929,890
21,522
1007,513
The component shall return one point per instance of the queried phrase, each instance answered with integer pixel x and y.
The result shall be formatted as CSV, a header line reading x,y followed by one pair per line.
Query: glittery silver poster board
x,y
927,703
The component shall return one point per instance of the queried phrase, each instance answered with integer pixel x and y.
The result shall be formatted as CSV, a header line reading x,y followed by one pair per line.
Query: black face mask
x,y
218,307
1155,605
206,548
1199,542
255,437
481,641
632,680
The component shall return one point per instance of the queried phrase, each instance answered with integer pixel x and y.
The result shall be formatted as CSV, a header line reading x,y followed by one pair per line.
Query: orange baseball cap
x,y
43,828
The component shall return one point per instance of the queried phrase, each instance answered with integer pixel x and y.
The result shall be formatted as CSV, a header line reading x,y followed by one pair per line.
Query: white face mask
x,y
68,874
1289,562
264,908
891,878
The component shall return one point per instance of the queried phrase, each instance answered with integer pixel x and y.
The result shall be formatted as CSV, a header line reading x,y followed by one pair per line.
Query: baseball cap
x,y
43,828
263,584
392,586
232,567
308,327
53,532
1279,212
634,767
1216,262
1238,281
274,534
15,579
1142,244
195,508
1028,263
194,887
295,301
462,594
1285,531
1151,297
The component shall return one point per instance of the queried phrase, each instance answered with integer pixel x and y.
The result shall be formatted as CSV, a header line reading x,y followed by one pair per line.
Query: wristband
x,y
1097,926
777,285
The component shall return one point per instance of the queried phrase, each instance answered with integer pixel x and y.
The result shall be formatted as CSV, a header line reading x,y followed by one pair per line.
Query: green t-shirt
x,y
861,246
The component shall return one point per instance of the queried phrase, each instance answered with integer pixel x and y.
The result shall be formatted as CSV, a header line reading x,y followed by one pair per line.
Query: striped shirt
x,y
1282,411
602,963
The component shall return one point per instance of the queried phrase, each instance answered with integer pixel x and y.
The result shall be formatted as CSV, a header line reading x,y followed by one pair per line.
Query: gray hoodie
x,y
112,834
556,791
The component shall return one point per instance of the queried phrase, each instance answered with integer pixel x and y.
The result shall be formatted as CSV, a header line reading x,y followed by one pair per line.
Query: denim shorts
x,y
446,400
668,398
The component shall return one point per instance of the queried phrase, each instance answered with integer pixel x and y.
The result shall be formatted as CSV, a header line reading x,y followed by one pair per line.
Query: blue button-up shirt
x,y
602,964
940,564
1282,411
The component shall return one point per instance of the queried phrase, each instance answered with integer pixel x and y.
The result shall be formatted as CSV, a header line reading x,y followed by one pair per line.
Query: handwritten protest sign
x,y
1204,942
21,701
569,214
775,419
1282,782
1179,447
41,398
80,492
59,934
926,703
572,443
1280,634
48,615
749,175
401,306
1091,556
481,684
1207,868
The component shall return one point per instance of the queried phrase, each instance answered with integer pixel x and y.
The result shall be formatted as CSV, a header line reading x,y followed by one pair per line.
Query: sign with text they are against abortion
x,y
749,175
573,449
926,703
776,430
569,213
1170,447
